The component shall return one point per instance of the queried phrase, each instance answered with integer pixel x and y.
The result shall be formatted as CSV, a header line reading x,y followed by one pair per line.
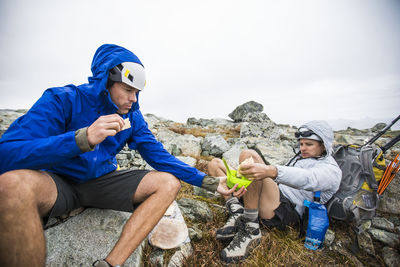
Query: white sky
x,y
301,60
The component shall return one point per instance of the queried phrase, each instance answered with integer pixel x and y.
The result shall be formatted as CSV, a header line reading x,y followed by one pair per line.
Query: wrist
x,y
82,141
210,183
274,172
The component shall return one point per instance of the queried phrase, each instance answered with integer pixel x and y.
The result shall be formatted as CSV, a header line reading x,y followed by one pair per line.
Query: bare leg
x,y
156,191
25,196
262,195
216,168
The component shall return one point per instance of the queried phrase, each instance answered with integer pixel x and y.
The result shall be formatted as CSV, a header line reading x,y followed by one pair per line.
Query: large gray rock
x,y
198,191
382,223
232,155
365,243
177,260
176,144
155,122
241,111
195,210
214,144
387,238
189,145
258,117
276,153
329,238
390,202
198,122
87,237
391,257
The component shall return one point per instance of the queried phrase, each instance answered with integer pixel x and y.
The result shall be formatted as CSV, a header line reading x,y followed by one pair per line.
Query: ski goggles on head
x,y
308,134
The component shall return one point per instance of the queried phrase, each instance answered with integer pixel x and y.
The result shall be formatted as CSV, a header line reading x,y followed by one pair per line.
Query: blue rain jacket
x,y
44,138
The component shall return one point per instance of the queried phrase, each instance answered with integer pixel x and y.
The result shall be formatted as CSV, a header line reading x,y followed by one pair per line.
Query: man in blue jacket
x,y
61,155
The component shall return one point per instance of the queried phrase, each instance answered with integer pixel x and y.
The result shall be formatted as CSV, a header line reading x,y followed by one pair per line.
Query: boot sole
x,y
225,238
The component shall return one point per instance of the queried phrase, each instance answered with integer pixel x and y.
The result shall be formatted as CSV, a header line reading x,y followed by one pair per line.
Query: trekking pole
x,y
373,139
389,174
390,144
384,177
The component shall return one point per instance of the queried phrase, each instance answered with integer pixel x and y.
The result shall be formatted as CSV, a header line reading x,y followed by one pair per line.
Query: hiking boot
x,y
103,263
228,231
248,237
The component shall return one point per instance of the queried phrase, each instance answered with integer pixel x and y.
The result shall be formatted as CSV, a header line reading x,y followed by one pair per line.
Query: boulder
x,y
382,223
276,153
391,257
87,237
387,238
257,117
195,210
214,144
189,145
198,122
329,238
378,127
177,260
390,201
232,155
365,243
241,111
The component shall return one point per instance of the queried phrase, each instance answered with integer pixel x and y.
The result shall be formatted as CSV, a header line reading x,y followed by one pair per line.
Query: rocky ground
x,y
196,142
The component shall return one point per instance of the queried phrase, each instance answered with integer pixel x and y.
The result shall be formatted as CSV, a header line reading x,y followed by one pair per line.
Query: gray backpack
x,y
354,201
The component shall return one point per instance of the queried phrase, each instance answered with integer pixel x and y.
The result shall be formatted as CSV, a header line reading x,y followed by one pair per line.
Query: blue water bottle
x,y
318,223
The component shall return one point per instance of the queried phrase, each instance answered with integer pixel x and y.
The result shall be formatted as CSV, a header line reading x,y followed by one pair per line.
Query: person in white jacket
x,y
276,195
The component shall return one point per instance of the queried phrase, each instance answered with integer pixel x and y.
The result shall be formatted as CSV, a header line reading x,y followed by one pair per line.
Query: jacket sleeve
x,y
37,140
324,176
158,157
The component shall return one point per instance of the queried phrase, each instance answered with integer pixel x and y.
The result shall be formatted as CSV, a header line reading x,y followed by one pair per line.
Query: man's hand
x,y
104,126
224,190
258,171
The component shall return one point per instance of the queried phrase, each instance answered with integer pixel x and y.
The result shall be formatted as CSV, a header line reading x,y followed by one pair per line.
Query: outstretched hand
x,y
104,126
224,190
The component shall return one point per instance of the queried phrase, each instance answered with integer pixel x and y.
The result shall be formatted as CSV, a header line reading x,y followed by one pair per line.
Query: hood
x,y
323,130
106,57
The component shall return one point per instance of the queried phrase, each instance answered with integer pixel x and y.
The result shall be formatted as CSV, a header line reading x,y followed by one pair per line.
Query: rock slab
x,y
86,238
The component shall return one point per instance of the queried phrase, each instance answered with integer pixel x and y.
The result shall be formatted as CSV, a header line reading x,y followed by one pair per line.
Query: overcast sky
x,y
335,60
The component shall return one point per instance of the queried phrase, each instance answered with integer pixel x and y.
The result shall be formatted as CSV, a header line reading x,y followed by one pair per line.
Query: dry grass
x,y
226,132
277,248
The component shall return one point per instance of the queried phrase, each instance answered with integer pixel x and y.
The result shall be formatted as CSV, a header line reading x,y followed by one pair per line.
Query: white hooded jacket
x,y
304,176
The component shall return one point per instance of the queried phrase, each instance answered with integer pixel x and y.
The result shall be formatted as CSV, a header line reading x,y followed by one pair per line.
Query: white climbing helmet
x,y
130,73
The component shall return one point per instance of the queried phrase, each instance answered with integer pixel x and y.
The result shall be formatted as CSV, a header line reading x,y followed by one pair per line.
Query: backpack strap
x,y
366,158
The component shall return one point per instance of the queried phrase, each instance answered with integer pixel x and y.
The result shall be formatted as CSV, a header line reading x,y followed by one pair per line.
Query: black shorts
x,y
112,191
285,214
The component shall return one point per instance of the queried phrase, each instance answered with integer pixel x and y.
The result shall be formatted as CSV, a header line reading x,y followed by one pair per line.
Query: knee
x,y
170,183
214,165
14,185
247,153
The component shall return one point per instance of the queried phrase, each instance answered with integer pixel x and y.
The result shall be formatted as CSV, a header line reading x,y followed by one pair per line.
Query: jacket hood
x,y
106,57
323,130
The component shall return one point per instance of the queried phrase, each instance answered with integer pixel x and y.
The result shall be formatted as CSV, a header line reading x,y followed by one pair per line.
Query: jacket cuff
x,y
210,183
82,140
